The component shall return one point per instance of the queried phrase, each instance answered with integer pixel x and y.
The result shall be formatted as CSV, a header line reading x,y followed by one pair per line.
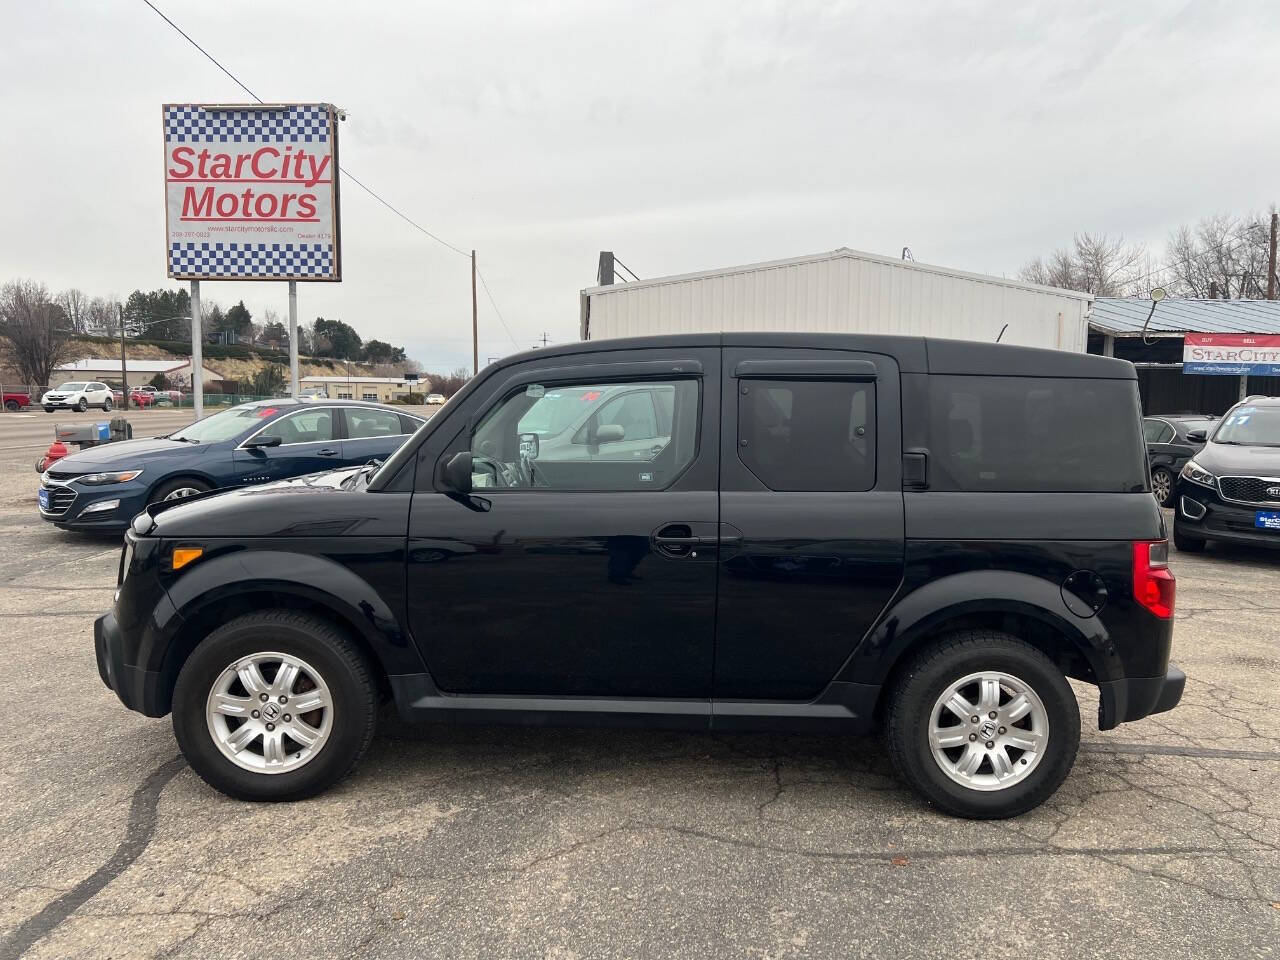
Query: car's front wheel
x,y
983,725
1162,485
48,409
179,489
82,404
275,705
12,406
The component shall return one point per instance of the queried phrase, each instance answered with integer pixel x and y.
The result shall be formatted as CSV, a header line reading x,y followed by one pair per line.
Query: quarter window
x,y
310,426
808,435
363,424
588,436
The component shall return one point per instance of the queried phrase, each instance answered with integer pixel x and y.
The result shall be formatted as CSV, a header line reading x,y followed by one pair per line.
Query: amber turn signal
x,y
184,555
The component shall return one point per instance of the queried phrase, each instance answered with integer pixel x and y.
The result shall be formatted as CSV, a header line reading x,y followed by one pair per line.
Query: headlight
x,y
1198,474
98,479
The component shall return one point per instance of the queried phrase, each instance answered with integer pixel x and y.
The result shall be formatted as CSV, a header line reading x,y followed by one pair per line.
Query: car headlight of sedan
x,y
1198,474
101,479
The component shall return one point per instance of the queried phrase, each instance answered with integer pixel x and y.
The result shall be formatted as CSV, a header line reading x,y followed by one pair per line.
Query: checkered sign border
x,y
251,259
300,124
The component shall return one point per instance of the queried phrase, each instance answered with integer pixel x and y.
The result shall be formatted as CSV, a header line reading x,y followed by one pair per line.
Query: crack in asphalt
x,y
138,834
1170,750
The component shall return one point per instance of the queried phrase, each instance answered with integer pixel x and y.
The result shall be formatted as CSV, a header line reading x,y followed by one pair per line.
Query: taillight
x,y
1153,583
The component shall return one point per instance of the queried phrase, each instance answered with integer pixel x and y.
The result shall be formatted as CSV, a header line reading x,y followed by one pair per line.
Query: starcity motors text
x,y
263,183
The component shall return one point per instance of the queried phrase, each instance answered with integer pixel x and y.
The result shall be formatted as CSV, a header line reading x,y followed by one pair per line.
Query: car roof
x,y
283,402
932,355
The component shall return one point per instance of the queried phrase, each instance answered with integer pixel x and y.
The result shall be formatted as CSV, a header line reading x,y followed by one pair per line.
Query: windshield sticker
x,y
535,390
268,411
591,396
646,478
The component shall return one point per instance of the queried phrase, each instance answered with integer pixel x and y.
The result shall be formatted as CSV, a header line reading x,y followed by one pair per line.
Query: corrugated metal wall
x,y
841,293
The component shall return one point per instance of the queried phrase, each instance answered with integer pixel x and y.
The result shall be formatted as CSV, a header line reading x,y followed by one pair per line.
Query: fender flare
x,y
913,615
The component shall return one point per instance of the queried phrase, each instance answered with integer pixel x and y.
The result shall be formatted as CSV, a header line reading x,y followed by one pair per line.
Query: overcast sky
x,y
682,135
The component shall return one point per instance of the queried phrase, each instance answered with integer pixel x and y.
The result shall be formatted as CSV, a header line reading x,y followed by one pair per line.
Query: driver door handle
x,y
327,452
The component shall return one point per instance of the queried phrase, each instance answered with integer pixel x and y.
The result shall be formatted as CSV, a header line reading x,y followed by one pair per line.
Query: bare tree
x,y
75,304
101,315
35,328
1094,263
1220,256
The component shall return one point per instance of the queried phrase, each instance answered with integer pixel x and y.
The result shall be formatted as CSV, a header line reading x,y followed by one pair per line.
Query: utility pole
x,y
124,372
475,320
1271,260
294,385
197,352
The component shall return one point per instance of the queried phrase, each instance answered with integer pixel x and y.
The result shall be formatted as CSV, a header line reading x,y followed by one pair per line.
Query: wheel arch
x,y
184,474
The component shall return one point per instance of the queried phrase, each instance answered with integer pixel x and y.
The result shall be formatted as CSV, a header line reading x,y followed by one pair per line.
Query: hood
x,y
311,506
125,454
1224,459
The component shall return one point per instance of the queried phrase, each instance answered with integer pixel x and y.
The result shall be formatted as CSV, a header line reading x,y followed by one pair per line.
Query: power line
x,y
352,177
485,285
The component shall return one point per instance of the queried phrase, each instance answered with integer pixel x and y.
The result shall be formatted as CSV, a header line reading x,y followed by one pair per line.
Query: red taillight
x,y
1153,583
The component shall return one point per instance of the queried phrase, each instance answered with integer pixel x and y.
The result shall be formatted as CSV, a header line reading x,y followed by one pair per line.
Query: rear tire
x,y
1006,779
1185,544
106,406
1162,481
12,406
341,730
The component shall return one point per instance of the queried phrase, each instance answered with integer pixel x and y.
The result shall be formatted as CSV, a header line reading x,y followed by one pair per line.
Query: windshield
x,y
72,386
1250,426
224,425
556,409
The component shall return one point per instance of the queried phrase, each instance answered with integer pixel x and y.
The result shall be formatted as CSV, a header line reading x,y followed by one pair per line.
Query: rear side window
x,y
799,435
1035,435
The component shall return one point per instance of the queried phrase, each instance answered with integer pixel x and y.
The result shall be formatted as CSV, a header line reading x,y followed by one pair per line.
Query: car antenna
x,y
1001,333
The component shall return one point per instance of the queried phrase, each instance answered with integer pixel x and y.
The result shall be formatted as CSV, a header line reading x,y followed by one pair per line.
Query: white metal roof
x,y
135,366
395,381
1125,316
842,253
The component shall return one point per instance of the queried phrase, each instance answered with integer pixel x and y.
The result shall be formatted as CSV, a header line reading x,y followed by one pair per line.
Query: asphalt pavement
x,y
489,842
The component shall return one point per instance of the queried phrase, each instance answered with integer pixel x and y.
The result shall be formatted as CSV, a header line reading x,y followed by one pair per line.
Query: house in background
x,y
374,389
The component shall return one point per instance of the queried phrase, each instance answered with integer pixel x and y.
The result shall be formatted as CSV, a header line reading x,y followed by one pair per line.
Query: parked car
x,y
1169,448
313,393
838,529
1230,490
15,400
435,399
78,395
103,487
143,396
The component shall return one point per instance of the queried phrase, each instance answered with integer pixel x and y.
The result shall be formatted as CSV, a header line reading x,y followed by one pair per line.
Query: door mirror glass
x,y
1197,436
457,473
610,433
264,440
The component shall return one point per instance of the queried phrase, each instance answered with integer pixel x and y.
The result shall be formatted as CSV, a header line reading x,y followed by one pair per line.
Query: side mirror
x,y
457,473
610,433
1197,436
263,441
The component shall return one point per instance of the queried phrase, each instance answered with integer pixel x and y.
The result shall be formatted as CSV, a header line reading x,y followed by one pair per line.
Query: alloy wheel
x,y
1161,485
988,730
182,493
269,712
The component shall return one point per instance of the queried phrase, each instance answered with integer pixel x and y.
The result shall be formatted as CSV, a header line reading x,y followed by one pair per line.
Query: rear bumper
x,y
137,689
1123,701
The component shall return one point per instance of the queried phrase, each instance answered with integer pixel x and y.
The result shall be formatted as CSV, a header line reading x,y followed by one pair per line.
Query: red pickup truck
x,y
14,401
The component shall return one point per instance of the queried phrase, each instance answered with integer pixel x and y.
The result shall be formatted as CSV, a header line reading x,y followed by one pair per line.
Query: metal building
x,y
843,291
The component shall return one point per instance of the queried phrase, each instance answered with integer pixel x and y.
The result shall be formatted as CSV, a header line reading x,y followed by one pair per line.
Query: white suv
x,y
77,395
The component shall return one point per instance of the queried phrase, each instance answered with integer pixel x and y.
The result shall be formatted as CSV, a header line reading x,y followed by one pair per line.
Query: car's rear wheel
x,y
1162,485
82,404
274,706
983,725
1184,543
12,406
106,405
179,489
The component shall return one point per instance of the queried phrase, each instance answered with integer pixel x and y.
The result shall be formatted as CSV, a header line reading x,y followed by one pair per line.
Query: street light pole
x,y
124,370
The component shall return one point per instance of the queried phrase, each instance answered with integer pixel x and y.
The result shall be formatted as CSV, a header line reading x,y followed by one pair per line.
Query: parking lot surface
x,y
491,842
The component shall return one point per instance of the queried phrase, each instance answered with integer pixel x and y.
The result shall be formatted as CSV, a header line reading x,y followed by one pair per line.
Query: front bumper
x,y
137,689
132,497
1218,519
1123,701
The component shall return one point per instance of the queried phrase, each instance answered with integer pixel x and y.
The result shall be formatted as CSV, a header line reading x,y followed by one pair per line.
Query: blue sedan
x,y
103,488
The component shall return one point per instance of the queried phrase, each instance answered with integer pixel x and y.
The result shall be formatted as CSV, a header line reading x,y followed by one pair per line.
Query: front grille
x,y
1260,490
60,500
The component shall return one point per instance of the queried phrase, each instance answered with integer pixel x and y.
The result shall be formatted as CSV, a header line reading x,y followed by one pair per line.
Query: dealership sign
x,y
251,192
1231,354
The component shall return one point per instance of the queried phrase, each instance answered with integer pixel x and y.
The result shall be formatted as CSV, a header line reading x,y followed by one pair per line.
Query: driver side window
x,y
588,436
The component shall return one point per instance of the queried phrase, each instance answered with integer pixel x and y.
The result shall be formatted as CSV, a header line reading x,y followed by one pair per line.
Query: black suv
x,y
1230,490
727,532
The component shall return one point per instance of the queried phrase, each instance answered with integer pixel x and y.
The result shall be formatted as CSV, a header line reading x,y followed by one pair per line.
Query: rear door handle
x,y
327,452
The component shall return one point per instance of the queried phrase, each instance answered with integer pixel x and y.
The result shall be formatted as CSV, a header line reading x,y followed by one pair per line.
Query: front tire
x,y
12,406
289,659
48,409
946,744
179,489
82,405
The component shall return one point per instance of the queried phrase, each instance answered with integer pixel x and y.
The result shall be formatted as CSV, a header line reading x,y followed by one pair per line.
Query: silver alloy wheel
x,y
1161,485
182,493
988,730
269,725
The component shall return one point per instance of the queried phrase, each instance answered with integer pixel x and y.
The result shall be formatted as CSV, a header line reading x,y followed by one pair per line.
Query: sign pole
x,y
294,385
197,352
124,367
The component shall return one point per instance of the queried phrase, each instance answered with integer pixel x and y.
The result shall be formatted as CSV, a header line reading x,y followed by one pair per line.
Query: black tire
x,y
48,409
1186,544
163,491
82,405
1163,475
106,406
315,641
954,658
12,406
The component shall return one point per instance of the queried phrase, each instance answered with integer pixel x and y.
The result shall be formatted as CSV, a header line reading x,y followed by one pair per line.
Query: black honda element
x,y
713,532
